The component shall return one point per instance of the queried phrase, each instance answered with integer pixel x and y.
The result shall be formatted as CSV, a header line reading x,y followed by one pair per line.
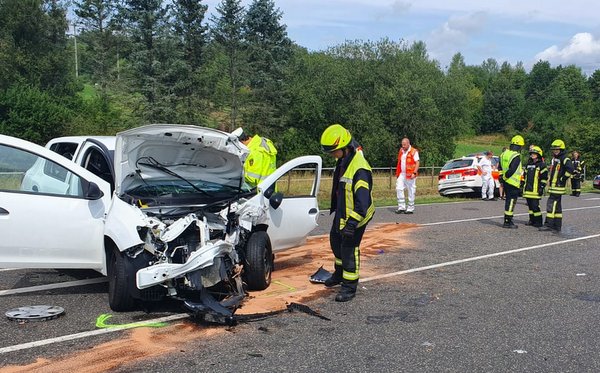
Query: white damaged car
x,y
180,223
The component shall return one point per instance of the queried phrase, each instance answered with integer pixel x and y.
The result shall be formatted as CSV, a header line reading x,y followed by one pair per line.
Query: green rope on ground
x,y
101,323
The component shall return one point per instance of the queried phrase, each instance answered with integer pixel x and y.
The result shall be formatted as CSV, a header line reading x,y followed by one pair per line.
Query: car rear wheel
x,y
259,258
119,297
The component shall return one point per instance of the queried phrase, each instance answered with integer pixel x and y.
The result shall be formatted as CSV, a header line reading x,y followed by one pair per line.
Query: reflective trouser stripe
x,y
338,261
511,208
353,276
552,212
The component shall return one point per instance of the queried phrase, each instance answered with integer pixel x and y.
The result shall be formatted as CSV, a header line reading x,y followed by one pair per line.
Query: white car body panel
x,y
297,216
49,231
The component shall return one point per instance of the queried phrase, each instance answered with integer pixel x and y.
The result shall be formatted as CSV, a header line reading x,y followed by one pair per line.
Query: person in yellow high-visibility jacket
x,y
262,160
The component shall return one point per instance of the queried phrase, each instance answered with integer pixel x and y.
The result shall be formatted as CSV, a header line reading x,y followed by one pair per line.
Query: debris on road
x,y
34,313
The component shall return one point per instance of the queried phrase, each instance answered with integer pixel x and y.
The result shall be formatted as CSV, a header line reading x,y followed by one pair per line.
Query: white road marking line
x,y
59,285
460,261
71,337
8,269
499,216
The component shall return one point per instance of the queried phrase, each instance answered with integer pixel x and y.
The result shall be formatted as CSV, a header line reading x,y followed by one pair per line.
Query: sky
x,y
561,32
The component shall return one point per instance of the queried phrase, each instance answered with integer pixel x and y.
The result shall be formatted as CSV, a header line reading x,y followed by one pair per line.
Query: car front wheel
x,y
259,259
119,297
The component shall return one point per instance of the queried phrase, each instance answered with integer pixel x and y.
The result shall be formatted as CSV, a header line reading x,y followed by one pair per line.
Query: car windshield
x,y
457,163
179,188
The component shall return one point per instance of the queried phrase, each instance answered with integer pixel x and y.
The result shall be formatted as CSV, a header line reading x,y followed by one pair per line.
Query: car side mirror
x,y
91,191
275,200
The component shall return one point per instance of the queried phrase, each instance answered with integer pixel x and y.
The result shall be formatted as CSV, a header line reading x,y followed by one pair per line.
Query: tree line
x,y
102,66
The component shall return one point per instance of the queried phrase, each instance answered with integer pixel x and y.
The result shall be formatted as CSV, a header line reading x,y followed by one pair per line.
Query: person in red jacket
x,y
407,169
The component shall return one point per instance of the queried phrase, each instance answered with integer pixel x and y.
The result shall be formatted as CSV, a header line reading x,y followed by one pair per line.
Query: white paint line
x,y
8,269
592,199
460,261
59,285
498,217
71,337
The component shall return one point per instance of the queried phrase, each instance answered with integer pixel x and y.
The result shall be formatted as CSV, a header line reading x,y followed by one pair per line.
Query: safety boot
x,y
347,292
333,281
508,223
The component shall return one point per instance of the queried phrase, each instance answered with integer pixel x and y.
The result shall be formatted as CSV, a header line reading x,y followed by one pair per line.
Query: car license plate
x,y
453,176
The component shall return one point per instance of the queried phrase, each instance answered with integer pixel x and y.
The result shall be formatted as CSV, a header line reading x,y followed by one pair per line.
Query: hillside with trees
x,y
133,62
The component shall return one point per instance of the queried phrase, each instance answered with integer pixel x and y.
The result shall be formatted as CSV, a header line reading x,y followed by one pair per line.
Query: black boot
x,y
333,281
347,292
508,223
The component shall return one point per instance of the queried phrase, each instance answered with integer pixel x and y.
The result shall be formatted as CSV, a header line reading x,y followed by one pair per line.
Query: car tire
x,y
259,258
119,297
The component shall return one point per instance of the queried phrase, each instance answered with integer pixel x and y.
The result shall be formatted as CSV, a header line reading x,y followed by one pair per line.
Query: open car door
x,y
298,181
51,210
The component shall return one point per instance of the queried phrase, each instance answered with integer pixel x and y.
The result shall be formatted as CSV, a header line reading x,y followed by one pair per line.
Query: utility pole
x,y
75,45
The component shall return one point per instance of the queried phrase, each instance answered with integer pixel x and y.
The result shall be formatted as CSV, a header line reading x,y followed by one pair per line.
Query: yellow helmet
x,y
557,144
335,137
518,140
536,149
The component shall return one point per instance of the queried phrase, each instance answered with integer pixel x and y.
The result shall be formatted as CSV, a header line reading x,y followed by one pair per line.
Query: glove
x,y
541,190
348,231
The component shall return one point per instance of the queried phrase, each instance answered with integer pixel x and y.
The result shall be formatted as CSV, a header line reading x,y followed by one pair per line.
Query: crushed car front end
x,y
179,218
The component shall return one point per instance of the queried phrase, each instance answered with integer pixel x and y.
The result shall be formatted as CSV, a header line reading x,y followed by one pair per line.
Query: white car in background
x,y
162,210
461,176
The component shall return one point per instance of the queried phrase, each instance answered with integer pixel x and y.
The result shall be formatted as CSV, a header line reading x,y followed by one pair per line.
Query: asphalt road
x,y
464,295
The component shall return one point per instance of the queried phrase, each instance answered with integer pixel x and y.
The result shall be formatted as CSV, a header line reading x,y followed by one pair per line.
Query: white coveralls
x,y
488,185
410,183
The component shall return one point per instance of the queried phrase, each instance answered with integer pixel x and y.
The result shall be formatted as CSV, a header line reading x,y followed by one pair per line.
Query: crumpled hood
x,y
217,155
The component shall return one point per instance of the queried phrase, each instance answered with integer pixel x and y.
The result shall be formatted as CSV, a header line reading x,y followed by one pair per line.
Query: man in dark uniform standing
x,y
352,202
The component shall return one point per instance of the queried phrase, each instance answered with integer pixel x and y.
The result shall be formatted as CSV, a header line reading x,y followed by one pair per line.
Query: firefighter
x,y
352,203
577,178
561,169
536,177
262,160
510,170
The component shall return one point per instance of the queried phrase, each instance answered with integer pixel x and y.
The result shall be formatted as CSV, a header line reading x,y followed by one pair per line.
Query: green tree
x,y
227,31
98,22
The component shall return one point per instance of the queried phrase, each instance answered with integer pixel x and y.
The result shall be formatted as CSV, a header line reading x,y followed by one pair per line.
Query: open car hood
x,y
187,150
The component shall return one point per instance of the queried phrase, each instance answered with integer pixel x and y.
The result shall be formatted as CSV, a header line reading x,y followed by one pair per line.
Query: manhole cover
x,y
34,313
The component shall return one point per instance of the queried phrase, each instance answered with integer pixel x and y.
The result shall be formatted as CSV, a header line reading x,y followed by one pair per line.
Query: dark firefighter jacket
x,y
561,170
578,168
351,197
536,177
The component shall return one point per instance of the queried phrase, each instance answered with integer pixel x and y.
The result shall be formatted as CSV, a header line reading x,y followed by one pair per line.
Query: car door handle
x,y
313,211
3,211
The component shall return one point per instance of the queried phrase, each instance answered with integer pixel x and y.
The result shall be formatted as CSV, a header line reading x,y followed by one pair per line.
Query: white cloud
x,y
455,34
583,50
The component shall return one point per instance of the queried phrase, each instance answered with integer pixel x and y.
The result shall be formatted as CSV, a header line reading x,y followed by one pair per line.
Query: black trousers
x,y
575,187
512,193
535,213
347,255
554,211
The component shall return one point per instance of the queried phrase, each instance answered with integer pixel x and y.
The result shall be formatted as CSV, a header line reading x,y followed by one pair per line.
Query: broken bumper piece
x,y
201,258
320,276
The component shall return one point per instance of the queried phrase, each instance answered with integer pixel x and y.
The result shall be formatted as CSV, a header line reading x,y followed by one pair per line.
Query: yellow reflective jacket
x,y
261,162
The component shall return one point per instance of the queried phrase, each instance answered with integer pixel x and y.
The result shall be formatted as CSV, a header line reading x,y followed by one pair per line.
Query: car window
x,y
96,163
457,163
66,149
298,182
25,172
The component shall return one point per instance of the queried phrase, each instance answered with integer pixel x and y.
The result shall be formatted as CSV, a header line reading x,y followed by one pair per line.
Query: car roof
x,y
108,141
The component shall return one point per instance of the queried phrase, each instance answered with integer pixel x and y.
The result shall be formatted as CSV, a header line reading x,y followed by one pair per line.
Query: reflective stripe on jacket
x,y
536,177
411,164
261,162
506,159
354,193
561,170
